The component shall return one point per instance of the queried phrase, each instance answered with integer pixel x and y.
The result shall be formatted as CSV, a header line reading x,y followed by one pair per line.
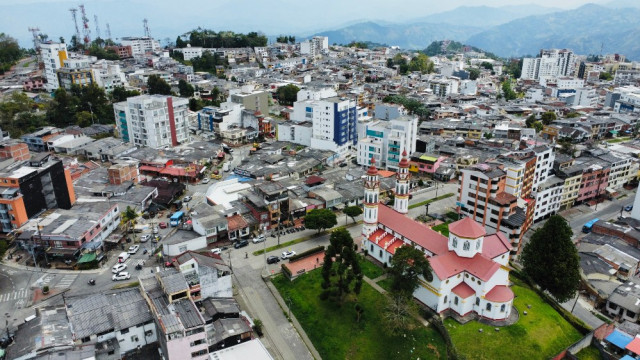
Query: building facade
x,y
553,62
53,56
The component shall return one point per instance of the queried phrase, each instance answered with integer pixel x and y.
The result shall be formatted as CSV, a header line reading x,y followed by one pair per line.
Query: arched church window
x,y
466,245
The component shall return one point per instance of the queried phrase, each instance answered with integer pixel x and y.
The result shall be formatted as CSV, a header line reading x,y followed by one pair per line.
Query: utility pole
x,y
278,228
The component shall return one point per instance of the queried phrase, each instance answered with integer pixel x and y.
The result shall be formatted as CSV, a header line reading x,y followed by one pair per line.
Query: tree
x,y
10,52
84,119
548,117
567,147
606,76
119,93
128,218
186,89
507,92
157,85
572,115
287,94
341,272
551,259
487,65
421,63
352,212
530,120
474,73
180,43
407,264
320,219
398,312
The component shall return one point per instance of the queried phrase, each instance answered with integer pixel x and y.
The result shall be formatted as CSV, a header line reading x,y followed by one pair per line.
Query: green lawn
x,y
442,229
541,334
589,353
423,203
336,334
385,283
369,269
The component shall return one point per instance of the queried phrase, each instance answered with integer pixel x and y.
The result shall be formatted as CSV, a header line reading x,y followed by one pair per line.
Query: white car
x,y
205,180
118,268
187,199
133,249
145,237
287,254
216,251
259,238
121,276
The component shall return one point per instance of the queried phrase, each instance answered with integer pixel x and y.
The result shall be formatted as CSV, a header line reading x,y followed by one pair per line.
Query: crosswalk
x,y
14,295
66,281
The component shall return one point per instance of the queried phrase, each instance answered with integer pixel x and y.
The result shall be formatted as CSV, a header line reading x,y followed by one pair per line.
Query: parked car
x,y
121,276
186,198
273,259
145,237
287,254
241,243
259,238
162,225
216,251
206,180
628,208
133,249
118,268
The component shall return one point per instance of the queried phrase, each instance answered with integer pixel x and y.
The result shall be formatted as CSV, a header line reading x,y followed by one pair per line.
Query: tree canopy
x,y
208,62
225,39
551,259
548,117
414,107
341,272
286,39
157,85
507,92
407,264
287,94
186,89
474,73
71,107
320,219
119,93
10,52
421,63
352,212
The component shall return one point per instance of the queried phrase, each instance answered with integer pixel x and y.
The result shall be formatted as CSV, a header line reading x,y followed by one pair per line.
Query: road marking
x,y
19,295
66,281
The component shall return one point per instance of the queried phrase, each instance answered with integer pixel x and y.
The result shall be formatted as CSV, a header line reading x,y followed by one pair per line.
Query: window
x,y
503,307
477,301
454,243
197,342
488,306
477,244
380,253
199,353
445,299
124,331
455,300
371,247
466,245
134,338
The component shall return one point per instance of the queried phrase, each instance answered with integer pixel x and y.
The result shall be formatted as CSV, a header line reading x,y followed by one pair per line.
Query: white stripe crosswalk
x,y
14,295
66,281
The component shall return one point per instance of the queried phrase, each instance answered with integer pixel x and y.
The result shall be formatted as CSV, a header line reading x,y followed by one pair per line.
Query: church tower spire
x,y
371,195
401,200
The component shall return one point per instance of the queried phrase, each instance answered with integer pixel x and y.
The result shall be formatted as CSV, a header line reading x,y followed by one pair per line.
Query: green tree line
x,y
223,39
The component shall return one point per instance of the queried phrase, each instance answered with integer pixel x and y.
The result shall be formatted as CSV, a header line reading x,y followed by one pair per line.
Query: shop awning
x,y
87,258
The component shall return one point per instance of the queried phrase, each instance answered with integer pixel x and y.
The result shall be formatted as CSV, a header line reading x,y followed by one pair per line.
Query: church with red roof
x,y
470,273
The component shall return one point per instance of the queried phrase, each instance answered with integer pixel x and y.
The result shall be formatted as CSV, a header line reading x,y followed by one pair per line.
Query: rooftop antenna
x,y
95,18
35,31
85,26
75,24
108,32
147,33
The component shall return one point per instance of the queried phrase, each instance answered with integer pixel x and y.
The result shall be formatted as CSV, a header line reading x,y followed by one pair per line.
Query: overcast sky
x,y
169,18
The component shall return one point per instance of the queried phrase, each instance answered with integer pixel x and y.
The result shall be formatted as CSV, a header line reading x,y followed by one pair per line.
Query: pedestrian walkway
x,y
14,295
374,285
66,281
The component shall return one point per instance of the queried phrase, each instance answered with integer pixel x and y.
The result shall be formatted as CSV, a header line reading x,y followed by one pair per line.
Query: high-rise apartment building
x,y
155,121
53,56
553,62
140,44
386,140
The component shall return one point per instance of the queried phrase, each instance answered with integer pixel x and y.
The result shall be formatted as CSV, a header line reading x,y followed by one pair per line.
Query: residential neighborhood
x,y
234,195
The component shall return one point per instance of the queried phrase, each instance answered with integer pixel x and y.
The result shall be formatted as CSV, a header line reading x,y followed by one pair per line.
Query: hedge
x,y
311,251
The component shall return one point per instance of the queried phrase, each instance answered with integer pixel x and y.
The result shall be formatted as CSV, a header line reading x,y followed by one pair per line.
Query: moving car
x,y
206,180
216,251
259,238
187,198
121,276
133,249
241,243
163,225
628,208
273,259
118,268
145,237
287,254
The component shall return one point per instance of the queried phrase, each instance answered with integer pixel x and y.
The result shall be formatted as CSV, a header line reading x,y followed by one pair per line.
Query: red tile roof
x,y
467,228
391,249
634,346
499,293
314,179
413,230
386,173
495,245
449,264
236,222
463,290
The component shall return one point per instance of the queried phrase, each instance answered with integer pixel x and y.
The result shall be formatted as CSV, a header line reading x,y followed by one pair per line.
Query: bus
x,y
587,227
176,218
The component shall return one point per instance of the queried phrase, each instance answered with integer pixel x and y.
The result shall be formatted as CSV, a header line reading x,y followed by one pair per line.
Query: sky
x,y
170,18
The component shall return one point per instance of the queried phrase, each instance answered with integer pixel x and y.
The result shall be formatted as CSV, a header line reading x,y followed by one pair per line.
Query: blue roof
x,y
628,357
619,339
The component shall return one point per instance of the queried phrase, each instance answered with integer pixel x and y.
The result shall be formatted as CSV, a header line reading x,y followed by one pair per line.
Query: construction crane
x,y
75,24
147,33
95,18
108,32
85,26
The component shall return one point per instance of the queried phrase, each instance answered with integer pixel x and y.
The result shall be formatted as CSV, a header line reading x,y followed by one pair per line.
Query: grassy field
x,y
618,140
369,269
423,203
541,334
385,283
589,353
442,229
336,334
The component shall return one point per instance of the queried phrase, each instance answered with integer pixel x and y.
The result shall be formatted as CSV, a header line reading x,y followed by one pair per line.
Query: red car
x,y
163,225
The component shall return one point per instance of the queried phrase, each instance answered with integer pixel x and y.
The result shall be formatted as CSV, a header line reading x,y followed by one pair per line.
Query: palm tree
x,y
128,218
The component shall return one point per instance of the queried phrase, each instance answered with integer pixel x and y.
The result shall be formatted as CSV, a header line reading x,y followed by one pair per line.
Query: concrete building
x,y
53,56
156,121
386,111
251,99
385,140
76,70
120,173
108,75
315,46
552,62
548,197
140,45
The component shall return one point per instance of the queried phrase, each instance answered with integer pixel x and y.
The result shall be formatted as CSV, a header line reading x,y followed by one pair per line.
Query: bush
x,y
45,289
257,327
309,252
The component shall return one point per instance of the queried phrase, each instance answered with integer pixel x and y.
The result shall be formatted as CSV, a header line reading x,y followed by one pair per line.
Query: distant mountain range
x,y
513,30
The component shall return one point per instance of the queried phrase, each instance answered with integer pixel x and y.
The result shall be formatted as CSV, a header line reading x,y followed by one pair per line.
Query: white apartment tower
x,y
401,194
553,62
53,56
371,201
140,45
155,121
383,140
314,46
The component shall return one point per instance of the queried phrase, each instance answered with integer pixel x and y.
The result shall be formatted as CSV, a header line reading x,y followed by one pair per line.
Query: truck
x,y
176,218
